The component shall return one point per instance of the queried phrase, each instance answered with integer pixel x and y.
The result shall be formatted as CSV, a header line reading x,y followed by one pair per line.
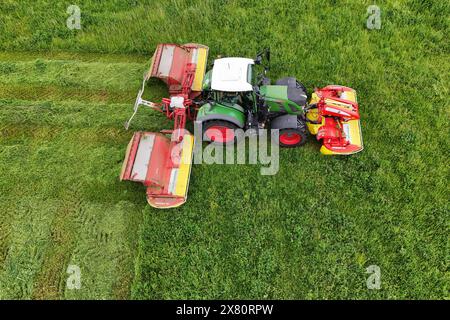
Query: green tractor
x,y
236,96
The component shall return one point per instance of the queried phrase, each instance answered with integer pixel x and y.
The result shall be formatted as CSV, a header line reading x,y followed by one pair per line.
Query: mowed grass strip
x,y
59,94
65,80
18,115
18,56
27,242
56,141
59,211
70,73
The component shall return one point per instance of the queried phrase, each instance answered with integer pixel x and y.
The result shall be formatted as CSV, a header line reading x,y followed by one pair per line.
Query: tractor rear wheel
x,y
290,138
219,132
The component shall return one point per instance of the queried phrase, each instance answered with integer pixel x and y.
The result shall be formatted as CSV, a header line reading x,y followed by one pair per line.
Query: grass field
x,y
308,232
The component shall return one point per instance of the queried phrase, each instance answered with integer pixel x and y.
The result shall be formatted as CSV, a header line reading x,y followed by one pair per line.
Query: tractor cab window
x,y
244,99
250,77
228,97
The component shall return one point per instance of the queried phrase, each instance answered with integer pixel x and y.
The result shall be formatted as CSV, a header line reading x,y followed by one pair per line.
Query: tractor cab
x,y
230,82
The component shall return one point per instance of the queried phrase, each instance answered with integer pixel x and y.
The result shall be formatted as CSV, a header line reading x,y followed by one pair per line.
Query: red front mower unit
x,y
162,161
334,118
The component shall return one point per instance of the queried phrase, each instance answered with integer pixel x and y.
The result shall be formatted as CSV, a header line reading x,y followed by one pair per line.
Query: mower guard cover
x,y
170,62
161,163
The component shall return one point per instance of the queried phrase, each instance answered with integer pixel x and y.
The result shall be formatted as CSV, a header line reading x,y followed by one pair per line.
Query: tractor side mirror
x,y
263,55
267,66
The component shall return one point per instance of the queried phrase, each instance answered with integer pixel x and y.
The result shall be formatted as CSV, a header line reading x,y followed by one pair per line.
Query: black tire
x,y
208,125
292,138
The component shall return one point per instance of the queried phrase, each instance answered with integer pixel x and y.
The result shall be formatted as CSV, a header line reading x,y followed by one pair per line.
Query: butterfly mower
x,y
234,94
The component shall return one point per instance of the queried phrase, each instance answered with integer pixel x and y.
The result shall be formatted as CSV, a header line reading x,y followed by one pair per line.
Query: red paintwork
x,y
166,152
331,133
350,148
181,69
220,134
290,138
157,166
334,93
163,201
131,156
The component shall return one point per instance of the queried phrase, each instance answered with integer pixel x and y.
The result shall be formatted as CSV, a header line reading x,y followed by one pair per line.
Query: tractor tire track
x,y
50,282
28,242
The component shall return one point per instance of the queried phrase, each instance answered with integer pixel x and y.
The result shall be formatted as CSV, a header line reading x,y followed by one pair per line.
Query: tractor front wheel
x,y
290,138
219,132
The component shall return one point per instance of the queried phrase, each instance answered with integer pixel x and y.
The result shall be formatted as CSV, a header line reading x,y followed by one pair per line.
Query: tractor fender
x,y
218,112
286,121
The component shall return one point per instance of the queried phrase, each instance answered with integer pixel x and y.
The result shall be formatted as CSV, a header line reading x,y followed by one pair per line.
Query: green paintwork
x,y
208,112
277,99
207,80
274,92
275,96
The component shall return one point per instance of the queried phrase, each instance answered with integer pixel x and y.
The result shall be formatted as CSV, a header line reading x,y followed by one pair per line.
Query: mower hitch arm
x,y
139,101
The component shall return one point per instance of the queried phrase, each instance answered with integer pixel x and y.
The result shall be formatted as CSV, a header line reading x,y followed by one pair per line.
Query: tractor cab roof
x,y
232,75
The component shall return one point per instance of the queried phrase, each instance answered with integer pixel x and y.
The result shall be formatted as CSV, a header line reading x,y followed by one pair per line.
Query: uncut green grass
x,y
308,232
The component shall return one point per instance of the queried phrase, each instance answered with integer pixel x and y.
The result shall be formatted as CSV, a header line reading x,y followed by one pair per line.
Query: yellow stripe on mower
x,y
202,57
184,169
